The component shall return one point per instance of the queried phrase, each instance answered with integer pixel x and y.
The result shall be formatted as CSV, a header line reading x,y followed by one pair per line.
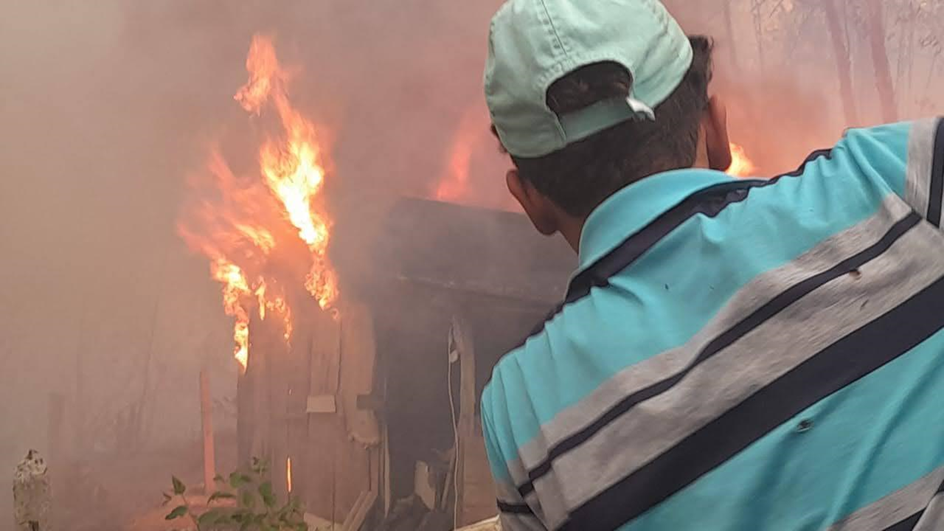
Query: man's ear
x,y
715,126
535,205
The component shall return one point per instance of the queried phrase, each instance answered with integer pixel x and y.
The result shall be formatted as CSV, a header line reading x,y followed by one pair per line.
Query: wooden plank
x,y
462,336
296,412
357,373
321,449
423,485
259,367
279,378
355,518
385,471
492,524
321,404
244,417
317,523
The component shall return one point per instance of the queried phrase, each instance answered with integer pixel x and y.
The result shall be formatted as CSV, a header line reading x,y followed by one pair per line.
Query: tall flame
x,y
235,287
243,227
292,166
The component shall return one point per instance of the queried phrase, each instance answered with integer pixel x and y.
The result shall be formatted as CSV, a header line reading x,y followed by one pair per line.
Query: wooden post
x,y
206,416
462,335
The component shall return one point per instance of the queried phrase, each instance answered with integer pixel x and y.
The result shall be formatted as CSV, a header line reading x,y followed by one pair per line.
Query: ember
x,y
247,222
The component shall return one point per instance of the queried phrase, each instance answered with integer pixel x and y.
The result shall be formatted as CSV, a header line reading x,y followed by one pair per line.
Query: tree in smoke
x,y
877,37
840,39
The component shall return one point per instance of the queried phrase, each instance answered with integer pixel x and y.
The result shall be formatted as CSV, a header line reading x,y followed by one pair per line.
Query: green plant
x,y
244,502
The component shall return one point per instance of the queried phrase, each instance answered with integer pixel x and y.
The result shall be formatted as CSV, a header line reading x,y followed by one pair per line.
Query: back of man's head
x,y
616,93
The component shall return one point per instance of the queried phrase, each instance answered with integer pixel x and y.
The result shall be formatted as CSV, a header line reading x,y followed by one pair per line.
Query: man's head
x,y
589,97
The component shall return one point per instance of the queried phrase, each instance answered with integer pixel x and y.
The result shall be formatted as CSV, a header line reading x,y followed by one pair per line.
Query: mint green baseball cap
x,y
533,43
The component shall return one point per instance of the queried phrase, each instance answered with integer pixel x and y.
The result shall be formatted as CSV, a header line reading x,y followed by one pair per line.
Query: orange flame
x,y
241,228
288,474
235,287
454,185
741,165
292,166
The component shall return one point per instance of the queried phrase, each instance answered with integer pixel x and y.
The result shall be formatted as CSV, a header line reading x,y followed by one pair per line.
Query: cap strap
x,y
588,121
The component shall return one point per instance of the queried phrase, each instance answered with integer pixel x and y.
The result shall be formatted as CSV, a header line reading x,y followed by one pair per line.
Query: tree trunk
x,y
729,26
843,62
757,7
875,24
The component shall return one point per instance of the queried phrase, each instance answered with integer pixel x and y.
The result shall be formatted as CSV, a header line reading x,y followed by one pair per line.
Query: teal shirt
x,y
741,354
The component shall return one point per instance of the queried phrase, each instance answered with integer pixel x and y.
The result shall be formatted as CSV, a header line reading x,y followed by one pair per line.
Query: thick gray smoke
x,y
107,106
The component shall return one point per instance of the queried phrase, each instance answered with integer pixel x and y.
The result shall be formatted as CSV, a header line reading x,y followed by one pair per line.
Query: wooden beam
x,y
355,519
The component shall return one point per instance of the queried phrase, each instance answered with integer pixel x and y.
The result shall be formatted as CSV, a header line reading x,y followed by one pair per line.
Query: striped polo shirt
x,y
741,354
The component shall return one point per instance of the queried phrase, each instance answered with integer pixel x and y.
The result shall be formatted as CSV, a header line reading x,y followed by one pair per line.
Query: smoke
x,y
107,106
776,68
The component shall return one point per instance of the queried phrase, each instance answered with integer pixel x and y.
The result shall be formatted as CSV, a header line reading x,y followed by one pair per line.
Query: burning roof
x,y
474,250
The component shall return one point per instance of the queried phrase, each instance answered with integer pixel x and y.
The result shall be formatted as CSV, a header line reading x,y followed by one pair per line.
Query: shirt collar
x,y
639,204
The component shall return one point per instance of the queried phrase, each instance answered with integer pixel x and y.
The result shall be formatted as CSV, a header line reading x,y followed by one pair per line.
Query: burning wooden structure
x,y
378,402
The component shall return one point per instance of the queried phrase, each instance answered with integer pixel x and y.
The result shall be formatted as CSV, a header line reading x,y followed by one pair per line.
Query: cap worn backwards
x,y
533,43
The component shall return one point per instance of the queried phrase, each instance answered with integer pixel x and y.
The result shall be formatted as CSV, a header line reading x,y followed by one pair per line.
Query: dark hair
x,y
585,173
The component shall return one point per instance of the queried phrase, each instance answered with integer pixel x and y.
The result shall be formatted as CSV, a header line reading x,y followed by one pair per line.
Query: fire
x,y
247,221
288,474
292,166
235,287
741,165
454,185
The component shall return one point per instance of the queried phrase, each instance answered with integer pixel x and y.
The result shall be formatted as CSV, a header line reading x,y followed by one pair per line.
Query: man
x,y
731,354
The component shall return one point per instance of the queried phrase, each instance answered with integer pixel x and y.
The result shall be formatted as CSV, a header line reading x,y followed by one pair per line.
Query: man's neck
x,y
571,229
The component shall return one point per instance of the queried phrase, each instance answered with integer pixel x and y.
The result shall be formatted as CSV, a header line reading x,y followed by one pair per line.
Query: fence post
x,y
206,416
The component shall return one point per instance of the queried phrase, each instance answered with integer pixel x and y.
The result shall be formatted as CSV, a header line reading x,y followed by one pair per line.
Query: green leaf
x,y
237,480
220,495
209,518
179,511
259,466
248,500
265,490
179,487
